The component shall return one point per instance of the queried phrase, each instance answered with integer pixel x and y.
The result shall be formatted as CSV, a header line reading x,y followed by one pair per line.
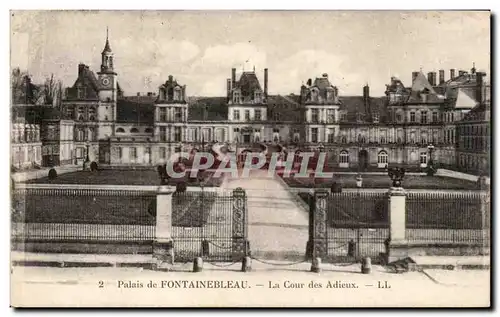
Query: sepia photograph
x,y
250,158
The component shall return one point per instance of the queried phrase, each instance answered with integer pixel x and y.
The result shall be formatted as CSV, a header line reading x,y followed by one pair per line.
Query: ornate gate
x,y
209,224
348,226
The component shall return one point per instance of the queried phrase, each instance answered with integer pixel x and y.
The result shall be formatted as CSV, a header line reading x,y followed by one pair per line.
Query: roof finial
x,y
107,33
420,68
254,68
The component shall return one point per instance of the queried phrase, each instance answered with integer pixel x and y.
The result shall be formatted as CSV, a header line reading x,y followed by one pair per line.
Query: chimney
x,y
170,78
452,73
266,78
461,72
228,89
479,86
431,77
81,69
325,75
233,77
138,94
413,76
150,94
366,93
441,76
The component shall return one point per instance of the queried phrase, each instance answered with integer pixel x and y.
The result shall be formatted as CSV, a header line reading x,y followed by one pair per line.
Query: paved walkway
x,y
278,227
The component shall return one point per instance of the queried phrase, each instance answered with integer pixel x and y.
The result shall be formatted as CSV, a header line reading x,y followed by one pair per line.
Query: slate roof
x,y
207,109
136,109
421,87
287,107
355,105
86,78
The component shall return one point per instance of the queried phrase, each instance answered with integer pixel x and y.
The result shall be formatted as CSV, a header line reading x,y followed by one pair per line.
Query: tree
x,y
52,91
17,82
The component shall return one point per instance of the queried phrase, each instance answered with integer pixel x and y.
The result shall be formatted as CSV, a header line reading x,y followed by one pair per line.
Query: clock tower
x,y
108,91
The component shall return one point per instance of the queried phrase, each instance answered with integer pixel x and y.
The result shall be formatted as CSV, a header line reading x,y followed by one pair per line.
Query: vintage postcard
x,y
250,158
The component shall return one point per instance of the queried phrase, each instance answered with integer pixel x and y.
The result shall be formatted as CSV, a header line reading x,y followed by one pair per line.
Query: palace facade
x,y
448,118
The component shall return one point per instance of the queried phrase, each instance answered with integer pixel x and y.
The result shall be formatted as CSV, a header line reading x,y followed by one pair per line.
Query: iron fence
x,y
357,224
455,217
94,214
202,226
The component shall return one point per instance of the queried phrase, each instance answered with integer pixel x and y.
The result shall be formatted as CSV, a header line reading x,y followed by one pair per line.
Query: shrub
x,y
93,166
152,208
52,174
181,187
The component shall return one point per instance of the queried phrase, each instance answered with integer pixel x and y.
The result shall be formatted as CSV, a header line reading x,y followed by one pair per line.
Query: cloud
x,y
214,66
291,72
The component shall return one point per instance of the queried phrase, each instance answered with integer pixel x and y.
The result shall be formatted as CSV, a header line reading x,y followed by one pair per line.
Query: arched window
x,y
134,130
344,139
148,130
120,130
344,159
382,159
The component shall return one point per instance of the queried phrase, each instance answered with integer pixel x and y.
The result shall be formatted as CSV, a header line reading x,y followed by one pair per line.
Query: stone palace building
x,y
447,118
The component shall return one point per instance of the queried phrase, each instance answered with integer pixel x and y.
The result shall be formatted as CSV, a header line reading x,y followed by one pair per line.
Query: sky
x,y
199,48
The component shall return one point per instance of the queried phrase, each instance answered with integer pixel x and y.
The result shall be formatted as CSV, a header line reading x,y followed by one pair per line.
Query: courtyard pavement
x,y
278,226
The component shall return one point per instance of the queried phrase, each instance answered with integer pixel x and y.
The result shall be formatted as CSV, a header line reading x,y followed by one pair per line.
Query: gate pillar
x,y
240,244
320,234
163,246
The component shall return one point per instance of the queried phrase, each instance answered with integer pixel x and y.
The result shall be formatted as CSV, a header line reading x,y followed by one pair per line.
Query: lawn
x,y
124,177
189,209
383,181
424,211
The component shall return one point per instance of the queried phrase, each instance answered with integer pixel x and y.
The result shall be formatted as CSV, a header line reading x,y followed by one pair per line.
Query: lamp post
x,y
430,147
359,184
87,145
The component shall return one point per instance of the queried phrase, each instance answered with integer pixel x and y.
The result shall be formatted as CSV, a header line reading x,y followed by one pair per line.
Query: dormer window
x,y
236,97
376,117
81,92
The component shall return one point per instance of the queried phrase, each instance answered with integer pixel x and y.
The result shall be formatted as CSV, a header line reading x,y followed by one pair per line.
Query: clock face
x,y
105,81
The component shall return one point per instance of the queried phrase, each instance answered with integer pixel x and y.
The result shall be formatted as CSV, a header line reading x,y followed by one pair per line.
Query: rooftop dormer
x,y
172,92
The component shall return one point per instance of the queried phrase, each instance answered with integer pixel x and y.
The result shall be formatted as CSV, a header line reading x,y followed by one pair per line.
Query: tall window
x,y
331,135
423,117
258,115
163,114
344,139
120,153
178,115
247,115
92,114
330,115
412,116
133,153
236,115
315,115
376,117
344,157
236,97
163,134
434,116
177,134
314,135
163,152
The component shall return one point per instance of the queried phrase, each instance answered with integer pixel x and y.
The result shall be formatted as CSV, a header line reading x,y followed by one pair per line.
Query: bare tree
x,y
52,91
17,81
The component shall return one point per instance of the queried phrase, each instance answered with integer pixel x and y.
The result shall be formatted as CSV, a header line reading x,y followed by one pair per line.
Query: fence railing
x,y
448,217
202,225
356,224
207,224
83,214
